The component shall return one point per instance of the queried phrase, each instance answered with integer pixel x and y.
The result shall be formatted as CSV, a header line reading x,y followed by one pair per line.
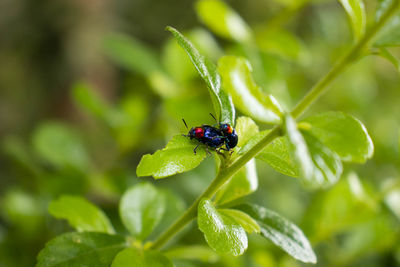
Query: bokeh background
x,y
89,86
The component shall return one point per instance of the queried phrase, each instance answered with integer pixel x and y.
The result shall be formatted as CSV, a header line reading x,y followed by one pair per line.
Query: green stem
x,y
348,58
226,173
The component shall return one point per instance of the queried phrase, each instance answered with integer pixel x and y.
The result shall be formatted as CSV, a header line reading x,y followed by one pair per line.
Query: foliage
x,y
335,211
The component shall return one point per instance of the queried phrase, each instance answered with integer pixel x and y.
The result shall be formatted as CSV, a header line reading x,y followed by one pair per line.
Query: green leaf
x,y
222,233
81,249
141,209
222,20
389,39
247,96
336,211
389,56
248,223
61,146
222,103
81,214
132,257
280,42
278,156
241,184
375,234
23,211
298,148
174,207
356,11
389,35
343,134
392,201
85,96
245,128
131,54
281,232
195,252
176,157
253,141
381,8
318,165
327,167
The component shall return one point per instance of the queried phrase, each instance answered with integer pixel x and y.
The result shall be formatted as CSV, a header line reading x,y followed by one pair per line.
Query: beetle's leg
x,y
219,148
194,150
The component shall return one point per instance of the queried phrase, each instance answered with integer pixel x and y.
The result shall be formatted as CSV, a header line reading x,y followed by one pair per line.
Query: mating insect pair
x,y
214,137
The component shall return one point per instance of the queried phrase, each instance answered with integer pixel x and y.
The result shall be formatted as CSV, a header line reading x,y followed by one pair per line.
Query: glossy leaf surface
x,y
81,214
248,223
318,165
245,128
247,96
281,232
343,134
177,157
327,166
298,148
253,141
278,156
222,233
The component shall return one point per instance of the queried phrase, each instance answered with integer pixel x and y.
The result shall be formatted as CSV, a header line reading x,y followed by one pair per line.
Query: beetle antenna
x,y
214,117
185,123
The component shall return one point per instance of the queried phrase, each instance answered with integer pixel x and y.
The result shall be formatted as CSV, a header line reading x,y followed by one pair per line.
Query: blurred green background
x,y
89,86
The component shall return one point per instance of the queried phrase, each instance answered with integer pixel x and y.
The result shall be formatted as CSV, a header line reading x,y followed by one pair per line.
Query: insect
x,y
229,133
214,137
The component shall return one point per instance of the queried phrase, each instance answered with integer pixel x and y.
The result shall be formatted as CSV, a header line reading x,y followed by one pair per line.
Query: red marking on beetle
x,y
199,132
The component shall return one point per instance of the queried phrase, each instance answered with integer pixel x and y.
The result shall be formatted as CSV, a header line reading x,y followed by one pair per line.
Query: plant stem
x,y
226,173
348,58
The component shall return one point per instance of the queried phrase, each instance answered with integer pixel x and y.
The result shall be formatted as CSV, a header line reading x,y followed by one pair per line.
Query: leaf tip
x,y
171,29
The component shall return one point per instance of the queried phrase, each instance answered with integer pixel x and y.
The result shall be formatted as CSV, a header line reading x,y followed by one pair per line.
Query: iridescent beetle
x,y
214,137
